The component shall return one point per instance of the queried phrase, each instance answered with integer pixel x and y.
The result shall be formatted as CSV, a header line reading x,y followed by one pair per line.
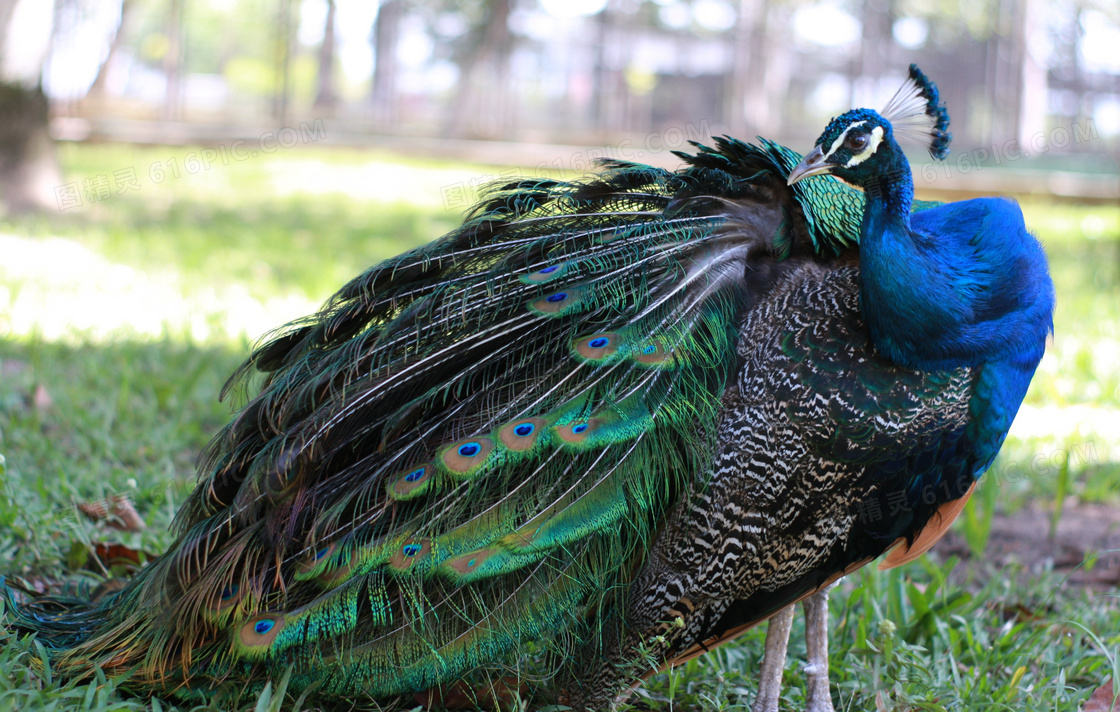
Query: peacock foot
x,y
818,698
773,661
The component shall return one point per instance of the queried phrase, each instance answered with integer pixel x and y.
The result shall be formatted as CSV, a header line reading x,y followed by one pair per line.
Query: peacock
x,y
600,428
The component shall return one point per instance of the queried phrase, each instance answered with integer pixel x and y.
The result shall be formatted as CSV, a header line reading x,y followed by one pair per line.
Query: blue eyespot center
x,y
471,562
599,342
547,270
263,626
469,449
649,349
229,591
322,552
411,549
577,429
525,429
414,475
558,297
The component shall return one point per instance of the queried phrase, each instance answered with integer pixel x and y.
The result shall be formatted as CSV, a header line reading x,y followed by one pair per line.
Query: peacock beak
x,y
813,165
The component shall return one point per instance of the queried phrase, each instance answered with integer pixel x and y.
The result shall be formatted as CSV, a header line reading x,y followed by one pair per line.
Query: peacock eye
x,y
857,142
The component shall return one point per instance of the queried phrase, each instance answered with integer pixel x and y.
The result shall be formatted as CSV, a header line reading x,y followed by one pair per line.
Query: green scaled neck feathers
x,y
830,210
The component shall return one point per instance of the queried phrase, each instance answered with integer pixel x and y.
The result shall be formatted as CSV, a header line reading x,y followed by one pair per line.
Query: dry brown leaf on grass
x,y
1103,700
41,399
880,703
120,555
118,510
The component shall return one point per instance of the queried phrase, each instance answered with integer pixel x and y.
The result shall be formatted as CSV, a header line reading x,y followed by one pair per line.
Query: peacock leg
x,y
773,661
818,697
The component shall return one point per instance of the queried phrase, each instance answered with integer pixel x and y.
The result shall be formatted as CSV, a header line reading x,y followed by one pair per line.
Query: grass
x,y
114,343
911,640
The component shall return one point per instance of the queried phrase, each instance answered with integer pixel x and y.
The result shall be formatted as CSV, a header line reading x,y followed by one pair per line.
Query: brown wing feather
x,y
935,528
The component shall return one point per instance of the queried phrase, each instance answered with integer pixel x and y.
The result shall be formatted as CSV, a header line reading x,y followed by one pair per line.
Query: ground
x,y
120,319
1084,547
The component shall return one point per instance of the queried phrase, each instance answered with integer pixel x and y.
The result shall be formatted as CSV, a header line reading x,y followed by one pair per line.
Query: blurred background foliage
x,y
1033,84
578,71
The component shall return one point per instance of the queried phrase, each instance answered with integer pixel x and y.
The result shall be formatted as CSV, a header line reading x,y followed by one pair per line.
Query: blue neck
x,y
890,197
910,296
967,286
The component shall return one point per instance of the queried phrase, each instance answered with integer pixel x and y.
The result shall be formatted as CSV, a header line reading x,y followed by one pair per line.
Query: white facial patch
x,y
872,146
840,139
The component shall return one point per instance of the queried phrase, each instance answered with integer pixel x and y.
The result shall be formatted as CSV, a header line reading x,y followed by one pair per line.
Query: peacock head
x,y
859,147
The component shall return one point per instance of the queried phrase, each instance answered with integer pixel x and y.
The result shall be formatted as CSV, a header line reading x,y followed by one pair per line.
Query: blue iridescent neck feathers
x,y
957,285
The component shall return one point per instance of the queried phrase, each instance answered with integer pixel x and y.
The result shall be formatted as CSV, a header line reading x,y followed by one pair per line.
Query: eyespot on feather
x,y
578,431
653,353
226,602
521,435
409,553
466,456
545,274
597,347
333,577
469,563
259,632
315,561
410,483
608,236
279,480
229,597
558,303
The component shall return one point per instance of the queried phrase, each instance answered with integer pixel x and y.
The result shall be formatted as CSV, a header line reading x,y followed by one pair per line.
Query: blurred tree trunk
x,y
489,45
383,89
97,91
1033,97
610,90
746,52
776,73
173,60
29,170
327,97
872,60
283,59
1007,71
760,67
28,166
599,66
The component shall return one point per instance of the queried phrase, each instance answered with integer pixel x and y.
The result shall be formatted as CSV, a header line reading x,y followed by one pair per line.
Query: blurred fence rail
x,y
1088,179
